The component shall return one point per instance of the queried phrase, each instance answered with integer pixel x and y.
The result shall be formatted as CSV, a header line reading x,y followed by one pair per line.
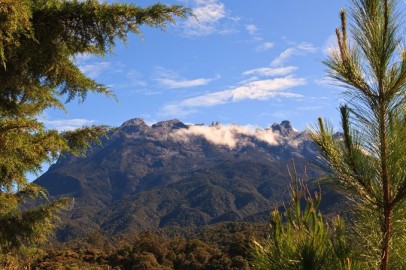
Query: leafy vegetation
x,y
301,239
369,163
224,246
39,40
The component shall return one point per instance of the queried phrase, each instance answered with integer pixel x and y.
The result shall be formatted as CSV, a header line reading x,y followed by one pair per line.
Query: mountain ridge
x,y
174,174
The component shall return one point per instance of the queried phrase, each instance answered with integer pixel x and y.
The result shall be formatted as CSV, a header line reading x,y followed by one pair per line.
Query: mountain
x,y
175,175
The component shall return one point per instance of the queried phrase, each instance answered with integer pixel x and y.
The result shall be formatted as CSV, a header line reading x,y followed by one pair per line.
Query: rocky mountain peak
x,y
134,125
284,128
134,122
170,124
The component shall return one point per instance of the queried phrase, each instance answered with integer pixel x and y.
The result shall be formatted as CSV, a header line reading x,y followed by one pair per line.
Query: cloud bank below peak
x,y
229,136
233,136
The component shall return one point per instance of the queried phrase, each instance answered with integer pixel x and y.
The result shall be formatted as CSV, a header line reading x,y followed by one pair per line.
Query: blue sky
x,y
245,62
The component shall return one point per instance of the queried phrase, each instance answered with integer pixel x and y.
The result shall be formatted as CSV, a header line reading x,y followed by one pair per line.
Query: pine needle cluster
x,y
368,161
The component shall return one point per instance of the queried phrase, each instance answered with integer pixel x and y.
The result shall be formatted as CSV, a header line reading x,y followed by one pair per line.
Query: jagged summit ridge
x,y
170,124
176,123
284,128
136,124
230,136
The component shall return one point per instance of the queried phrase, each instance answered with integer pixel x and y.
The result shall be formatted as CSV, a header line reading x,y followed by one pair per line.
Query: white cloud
x,y
171,83
208,14
93,67
265,89
177,110
307,47
144,92
254,90
252,29
230,136
208,11
94,70
82,57
208,100
67,124
301,49
170,79
283,56
264,46
271,71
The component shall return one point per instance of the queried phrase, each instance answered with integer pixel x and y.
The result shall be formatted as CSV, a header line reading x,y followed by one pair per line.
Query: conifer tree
x,y
301,239
39,40
369,160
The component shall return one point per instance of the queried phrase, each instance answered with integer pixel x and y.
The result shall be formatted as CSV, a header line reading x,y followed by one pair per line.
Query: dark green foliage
x,y
39,40
212,248
301,239
369,163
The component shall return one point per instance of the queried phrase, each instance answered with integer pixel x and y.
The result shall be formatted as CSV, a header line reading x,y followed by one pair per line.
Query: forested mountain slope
x,y
172,174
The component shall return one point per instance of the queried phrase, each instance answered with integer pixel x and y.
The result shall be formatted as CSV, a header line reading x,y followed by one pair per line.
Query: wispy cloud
x,y
171,83
170,79
208,14
252,29
264,46
95,69
92,67
251,90
67,124
301,49
177,110
265,89
283,56
270,71
135,78
262,83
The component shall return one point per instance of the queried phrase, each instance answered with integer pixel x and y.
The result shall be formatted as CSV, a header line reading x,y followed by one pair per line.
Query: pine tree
x,y
39,40
301,239
369,160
